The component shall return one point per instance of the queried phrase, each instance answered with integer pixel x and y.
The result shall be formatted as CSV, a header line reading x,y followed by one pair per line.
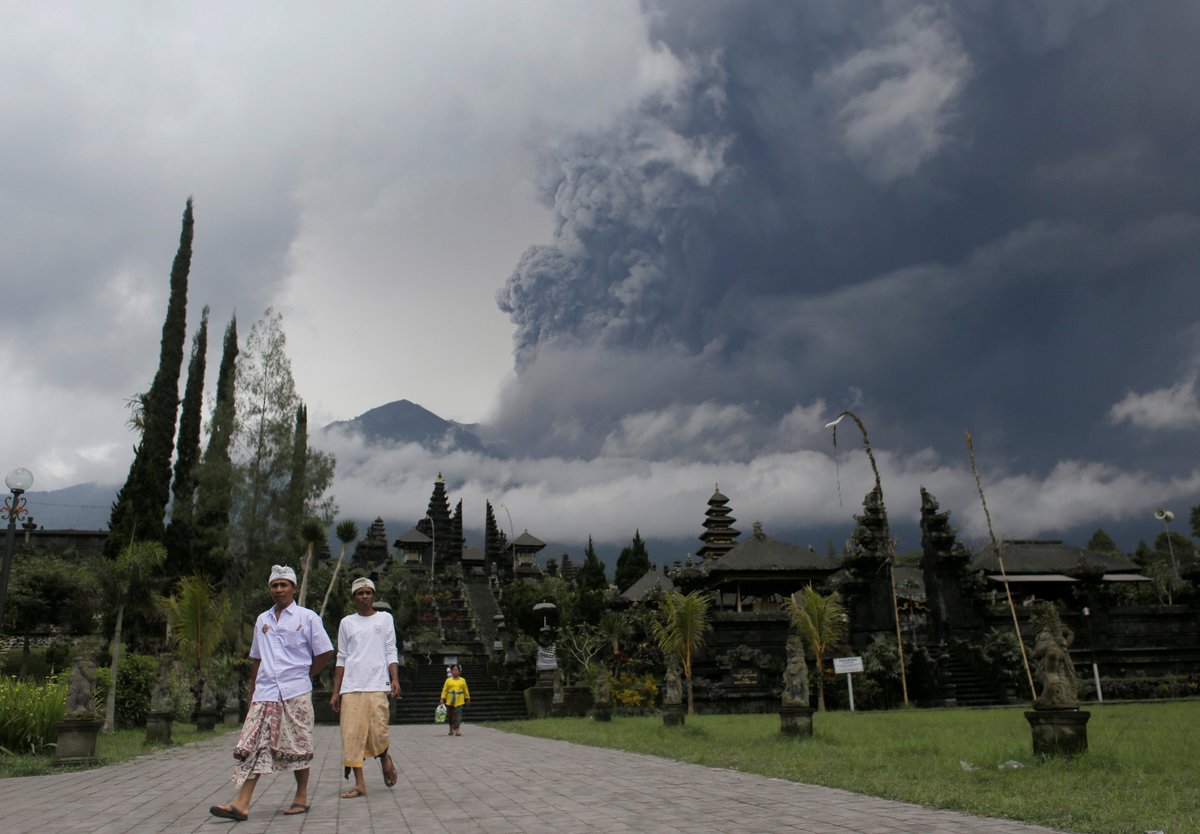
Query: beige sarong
x,y
364,726
277,736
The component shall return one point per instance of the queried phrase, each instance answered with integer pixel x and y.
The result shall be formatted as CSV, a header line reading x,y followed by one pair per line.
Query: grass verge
x,y
110,749
1140,772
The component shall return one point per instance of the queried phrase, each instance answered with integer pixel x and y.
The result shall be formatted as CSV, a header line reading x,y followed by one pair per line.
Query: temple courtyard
x,y
486,781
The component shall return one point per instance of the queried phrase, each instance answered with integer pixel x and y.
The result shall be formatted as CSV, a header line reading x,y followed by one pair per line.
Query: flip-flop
x,y
353,793
390,777
294,809
227,812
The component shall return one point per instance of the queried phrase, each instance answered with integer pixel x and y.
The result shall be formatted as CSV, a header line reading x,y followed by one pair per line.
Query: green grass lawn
x,y
110,749
1141,772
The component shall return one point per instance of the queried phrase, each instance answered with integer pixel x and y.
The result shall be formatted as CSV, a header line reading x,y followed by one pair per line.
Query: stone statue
x,y
672,688
603,688
160,698
232,702
1054,671
547,654
559,692
81,687
208,699
795,675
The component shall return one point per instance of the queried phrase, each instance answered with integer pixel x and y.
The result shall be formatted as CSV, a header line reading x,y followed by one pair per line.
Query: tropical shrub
x,y
29,712
1142,689
630,691
135,683
1002,655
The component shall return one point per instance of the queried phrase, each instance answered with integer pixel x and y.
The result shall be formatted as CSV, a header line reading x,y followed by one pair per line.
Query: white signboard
x,y
846,665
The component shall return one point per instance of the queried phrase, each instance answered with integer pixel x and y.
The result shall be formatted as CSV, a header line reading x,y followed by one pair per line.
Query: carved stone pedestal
x,y
232,717
158,727
539,701
673,715
602,711
796,721
77,740
1058,732
206,720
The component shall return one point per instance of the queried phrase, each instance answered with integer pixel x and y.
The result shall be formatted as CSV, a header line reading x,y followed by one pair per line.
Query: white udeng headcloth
x,y
361,582
282,572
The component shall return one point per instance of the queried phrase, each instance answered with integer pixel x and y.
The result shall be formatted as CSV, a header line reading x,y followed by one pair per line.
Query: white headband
x,y
361,582
282,572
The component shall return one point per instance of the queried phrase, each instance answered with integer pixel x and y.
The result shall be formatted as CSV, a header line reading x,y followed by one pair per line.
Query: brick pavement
x,y
486,781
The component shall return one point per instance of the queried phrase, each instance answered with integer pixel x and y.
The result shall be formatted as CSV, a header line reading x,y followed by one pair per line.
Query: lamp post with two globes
x,y
18,481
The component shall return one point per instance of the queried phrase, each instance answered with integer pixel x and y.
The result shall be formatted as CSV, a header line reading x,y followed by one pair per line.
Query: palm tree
x,y
134,564
615,627
312,533
821,622
197,621
681,630
347,532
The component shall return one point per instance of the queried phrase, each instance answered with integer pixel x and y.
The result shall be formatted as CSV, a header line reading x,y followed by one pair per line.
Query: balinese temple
x,y
757,574
438,525
371,552
1050,569
414,547
649,582
719,533
525,549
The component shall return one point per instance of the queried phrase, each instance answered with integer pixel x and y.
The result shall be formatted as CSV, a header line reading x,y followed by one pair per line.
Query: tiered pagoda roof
x,y
719,534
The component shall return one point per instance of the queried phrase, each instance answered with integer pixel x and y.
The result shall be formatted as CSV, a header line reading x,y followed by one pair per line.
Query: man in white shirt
x,y
289,648
367,675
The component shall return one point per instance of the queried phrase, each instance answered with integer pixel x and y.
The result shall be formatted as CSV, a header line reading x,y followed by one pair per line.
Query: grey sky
x,y
708,227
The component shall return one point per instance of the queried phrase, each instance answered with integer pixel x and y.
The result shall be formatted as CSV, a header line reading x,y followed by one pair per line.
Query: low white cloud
x,y
1176,407
566,500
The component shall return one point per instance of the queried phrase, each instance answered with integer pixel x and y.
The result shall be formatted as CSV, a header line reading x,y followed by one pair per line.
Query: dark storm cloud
x,y
975,214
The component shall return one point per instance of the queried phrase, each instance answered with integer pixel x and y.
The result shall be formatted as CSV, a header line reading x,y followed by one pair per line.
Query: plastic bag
x,y
439,714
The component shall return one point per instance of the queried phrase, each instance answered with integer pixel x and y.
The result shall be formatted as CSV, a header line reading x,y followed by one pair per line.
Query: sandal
x,y
294,809
389,769
353,793
228,812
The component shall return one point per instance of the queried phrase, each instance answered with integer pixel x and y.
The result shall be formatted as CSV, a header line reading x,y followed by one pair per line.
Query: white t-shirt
x,y
366,646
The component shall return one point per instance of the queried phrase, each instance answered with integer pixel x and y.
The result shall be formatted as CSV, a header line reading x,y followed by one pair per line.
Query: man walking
x,y
289,648
367,675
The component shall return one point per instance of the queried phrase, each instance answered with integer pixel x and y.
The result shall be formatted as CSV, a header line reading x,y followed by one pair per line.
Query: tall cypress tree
x,y
297,483
179,534
633,563
214,477
591,573
138,511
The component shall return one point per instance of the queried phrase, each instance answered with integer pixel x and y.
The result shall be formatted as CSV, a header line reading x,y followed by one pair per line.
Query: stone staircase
x,y
970,690
488,703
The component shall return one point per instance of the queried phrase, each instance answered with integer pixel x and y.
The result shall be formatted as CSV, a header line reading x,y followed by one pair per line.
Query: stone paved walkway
x,y
486,781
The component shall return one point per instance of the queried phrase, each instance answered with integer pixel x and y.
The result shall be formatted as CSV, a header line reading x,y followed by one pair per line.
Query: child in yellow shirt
x,y
454,695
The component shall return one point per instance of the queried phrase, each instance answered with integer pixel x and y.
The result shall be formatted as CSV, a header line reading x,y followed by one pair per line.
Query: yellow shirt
x,y
455,692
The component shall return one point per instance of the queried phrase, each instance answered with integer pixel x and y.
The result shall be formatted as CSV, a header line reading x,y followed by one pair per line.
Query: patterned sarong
x,y
276,737
364,726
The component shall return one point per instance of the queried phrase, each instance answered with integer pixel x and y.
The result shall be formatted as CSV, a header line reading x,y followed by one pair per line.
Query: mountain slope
x,y
403,421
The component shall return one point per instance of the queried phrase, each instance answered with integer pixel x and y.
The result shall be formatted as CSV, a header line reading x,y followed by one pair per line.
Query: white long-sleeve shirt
x,y
366,646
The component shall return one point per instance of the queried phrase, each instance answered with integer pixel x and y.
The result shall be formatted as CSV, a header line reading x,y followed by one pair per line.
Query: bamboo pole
x,y
889,543
1000,559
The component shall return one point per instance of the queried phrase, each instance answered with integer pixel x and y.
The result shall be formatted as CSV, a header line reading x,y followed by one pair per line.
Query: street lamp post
x,y
1087,618
18,481
1166,517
